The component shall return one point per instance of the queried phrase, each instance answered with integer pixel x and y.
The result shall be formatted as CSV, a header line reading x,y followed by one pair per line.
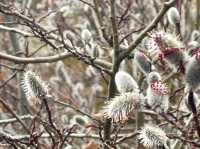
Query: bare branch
x,y
14,30
14,114
48,59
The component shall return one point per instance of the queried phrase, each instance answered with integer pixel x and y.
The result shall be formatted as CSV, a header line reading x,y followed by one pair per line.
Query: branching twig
x,y
14,30
14,114
12,120
48,59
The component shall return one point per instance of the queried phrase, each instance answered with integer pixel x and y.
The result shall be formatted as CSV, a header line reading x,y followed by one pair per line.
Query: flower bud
x,y
193,46
125,82
186,100
153,77
34,87
120,107
157,93
195,35
173,16
152,136
192,72
142,62
86,36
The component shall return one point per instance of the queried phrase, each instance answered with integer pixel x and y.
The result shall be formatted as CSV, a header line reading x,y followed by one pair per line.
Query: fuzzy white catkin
x,y
155,98
68,147
192,74
86,35
120,107
195,35
177,57
173,16
142,62
153,76
152,136
193,47
34,88
196,101
125,82
79,120
33,85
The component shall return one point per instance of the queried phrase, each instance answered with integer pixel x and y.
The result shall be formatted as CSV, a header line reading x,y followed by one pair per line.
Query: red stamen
x,y
159,88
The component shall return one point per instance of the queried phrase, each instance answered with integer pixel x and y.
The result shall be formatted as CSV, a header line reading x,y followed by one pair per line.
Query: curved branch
x,y
14,30
49,59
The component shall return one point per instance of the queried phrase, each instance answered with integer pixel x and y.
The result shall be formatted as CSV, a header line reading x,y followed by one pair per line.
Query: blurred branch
x,y
14,114
76,109
184,140
46,135
14,30
11,67
102,30
129,136
49,59
9,78
12,120
46,36
89,4
49,113
116,63
197,14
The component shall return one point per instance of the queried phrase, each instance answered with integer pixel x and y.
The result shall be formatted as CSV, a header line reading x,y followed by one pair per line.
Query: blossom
x,y
195,35
34,87
169,48
125,82
157,92
152,136
192,72
186,100
120,107
153,76
173,16
142,62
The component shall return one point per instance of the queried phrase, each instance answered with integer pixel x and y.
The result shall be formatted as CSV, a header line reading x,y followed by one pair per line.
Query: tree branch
x,y
14,30
14,114
49,59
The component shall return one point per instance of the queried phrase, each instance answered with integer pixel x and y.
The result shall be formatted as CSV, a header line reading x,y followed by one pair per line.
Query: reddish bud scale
x,y
158,41
159,88
197,55
169,51
194,51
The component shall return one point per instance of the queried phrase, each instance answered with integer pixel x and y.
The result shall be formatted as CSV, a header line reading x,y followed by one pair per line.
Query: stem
x,y
16,48
139,124
139,116
15,115
194,111
49,113
198,14
116,63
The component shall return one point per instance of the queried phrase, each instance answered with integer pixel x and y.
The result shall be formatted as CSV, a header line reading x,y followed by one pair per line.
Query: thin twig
x,y
49,59
14,30
129,136
14,114
12,120
76,109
